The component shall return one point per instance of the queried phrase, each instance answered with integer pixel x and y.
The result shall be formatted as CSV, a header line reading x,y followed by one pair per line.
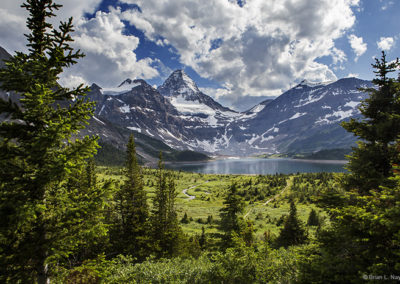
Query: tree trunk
x,y
41,266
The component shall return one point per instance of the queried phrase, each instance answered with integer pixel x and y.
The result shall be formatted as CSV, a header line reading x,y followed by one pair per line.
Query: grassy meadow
x,y
267,197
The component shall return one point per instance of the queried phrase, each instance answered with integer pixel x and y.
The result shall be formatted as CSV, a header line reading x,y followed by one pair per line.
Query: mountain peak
x,y
95,87
130,84
178,83
126,82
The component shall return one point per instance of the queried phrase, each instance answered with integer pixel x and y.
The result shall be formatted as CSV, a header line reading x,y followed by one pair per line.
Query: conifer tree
x,y
371,162
37,153
313,219
185,219
164,221
293,232
231,221
133,232
203,239
363,238
85,204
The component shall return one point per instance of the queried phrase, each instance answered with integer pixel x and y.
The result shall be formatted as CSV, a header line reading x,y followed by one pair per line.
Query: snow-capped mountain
x,y
194,105
144,110
304,119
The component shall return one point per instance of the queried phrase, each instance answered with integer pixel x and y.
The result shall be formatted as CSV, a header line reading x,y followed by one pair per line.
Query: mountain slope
x,y
305,118
192,104
114,137
113,140
144,109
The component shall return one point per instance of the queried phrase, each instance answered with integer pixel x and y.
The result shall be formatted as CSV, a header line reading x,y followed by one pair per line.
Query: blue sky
x,y
250,48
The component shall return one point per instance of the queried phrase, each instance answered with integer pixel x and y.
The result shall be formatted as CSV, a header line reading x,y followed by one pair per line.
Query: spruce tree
x,y
293,232
231,221
166,231
83,215
133,232
203,239
370,164
313,219
38,153
185,219
363,238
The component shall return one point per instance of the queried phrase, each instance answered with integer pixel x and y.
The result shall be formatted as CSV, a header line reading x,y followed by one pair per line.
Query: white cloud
x,y
13,19
262,46
258,49
71,81
338,56
358,46
110,56
385,43
216,93
351,75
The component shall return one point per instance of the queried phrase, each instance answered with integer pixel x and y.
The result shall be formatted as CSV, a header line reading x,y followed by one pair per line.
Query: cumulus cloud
x,y
385,43
13,19
358,45
110,56
259,47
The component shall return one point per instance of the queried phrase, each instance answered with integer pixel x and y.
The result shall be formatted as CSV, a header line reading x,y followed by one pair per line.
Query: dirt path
x,y
289,183
191,197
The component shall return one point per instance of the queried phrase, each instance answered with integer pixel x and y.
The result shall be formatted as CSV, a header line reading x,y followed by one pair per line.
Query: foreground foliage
x,y
47,211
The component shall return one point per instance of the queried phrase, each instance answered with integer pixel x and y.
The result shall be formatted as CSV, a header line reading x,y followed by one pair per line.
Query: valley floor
x,y
201,197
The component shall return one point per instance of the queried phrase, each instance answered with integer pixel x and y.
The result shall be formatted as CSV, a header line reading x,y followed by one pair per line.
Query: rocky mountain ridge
x,y
303,119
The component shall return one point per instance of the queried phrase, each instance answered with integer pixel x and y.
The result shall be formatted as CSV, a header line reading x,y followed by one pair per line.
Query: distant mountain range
x,y
304,119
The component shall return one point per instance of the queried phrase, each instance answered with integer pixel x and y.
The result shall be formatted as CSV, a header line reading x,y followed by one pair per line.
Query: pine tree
x,y
185,219
371,162
293,232
363,238
231,222
37,153
313,219
203,239
132,232
85,220
164,222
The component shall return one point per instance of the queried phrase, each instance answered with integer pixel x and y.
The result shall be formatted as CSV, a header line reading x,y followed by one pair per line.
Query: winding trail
x,y
191,197
289,183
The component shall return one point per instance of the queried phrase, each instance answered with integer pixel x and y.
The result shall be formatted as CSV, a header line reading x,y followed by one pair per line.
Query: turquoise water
x,y
259,166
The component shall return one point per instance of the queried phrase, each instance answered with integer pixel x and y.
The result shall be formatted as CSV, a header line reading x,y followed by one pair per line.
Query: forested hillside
x,y
66,220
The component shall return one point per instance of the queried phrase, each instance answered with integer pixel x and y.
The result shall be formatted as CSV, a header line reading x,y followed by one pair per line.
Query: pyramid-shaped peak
x,y
181,75
179,83
94,87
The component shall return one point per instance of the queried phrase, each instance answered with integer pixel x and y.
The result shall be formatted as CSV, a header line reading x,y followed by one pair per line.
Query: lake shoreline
x,y
233,158
255,166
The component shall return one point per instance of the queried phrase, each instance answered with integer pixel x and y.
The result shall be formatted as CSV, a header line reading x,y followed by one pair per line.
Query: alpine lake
x,y
259,166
